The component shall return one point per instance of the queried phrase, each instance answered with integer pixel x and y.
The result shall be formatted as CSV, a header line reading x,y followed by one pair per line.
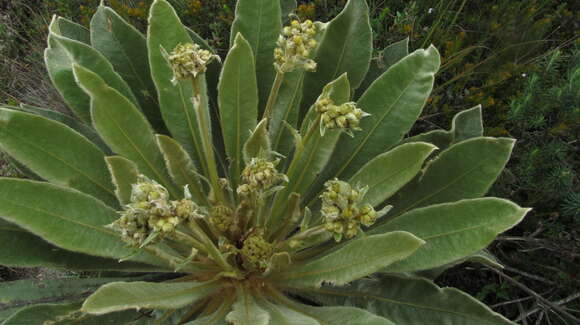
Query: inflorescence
x,y
295,46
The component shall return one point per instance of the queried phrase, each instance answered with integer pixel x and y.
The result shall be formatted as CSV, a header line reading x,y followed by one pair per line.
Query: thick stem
x,y
273,95
201,111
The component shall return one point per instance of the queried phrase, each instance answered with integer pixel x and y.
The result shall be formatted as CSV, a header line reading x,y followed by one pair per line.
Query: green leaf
x,y
72,30
464,171
238,103
28,250
388,172
42,314
466,124
286,109
346,47
60,57
126,48
283,315
313,154
65,157
64,217
411,301
137,295
452,231
15,295
385,59
84,129
246,311
181,167
124,173
258,142
395,100
166,32
356,259
260,22
124,128
343,316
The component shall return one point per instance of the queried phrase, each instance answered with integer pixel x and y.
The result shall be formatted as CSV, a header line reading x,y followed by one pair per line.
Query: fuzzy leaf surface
x,y
260,22
411,301
345,47
238,103
388,172
464,171
124,128
124,173
126,48
358,258
452,231
136,295
65,157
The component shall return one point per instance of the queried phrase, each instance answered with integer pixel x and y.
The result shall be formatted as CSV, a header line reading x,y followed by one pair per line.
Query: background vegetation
x,y
520,59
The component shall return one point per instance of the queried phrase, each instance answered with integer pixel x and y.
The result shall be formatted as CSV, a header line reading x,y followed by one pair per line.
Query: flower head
x,y
341,210
189,60
346,116
260,174
295,47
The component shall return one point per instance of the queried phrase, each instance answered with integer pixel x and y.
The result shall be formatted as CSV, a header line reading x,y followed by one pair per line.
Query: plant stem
x,y
211,249
203,121
273,95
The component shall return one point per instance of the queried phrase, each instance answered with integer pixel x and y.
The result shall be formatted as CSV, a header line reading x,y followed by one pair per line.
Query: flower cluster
x,y
222,217
256,252
189,60
341,211
150,214
346,116
260,175
295,46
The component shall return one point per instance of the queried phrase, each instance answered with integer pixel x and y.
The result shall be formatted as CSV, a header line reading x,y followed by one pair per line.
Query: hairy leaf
x,y
356,259
124,173
246,311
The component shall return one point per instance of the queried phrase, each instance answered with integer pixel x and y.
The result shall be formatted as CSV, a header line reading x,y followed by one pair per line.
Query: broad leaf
x,y
452,231
343,316
466,124
181,167
137,295
464,171
65,157
412,301
72,30
238,103
260,22
356,259
311,156
345,47
387,173
73,123
42,314
62,54
258,142
64,217
124,128
28,250
126,48
124,174
395,100
286,109
164,34
385,59
246,311
283,315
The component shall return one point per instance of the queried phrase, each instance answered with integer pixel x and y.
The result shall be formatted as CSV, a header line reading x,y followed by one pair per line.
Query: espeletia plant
x,y
273,186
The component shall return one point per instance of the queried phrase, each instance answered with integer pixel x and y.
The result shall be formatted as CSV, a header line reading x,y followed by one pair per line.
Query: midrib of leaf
x,y
384,179
367,136
174,294
396,302
136,148
238,125
64,162
341,56
128,59
308,162
97,228
443,188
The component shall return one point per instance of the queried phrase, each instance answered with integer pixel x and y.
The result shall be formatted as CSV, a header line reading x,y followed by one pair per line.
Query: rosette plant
x,y
275,187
